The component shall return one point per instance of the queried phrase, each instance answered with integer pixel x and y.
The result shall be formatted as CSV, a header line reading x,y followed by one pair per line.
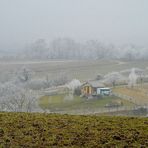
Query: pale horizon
x,y
116,21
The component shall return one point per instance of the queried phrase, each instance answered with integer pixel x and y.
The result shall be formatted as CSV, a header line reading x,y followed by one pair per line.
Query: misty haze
x,y
73,73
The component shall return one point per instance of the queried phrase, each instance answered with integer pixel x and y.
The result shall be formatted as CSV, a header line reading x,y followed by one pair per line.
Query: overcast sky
x,y
110,21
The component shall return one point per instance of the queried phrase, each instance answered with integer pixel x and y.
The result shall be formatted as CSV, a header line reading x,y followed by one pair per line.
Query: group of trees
x,y
66,48
130,77
19,93
114,78
15,96
16,99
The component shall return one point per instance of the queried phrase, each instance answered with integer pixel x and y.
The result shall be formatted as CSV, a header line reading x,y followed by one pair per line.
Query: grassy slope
x,y
80,69
57,102
52,130
139,96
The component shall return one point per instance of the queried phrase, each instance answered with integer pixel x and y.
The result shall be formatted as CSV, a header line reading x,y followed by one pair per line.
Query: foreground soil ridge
x,y
54,130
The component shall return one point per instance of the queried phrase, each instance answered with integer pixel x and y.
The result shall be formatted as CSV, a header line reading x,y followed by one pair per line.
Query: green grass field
x,y
58,103
53,130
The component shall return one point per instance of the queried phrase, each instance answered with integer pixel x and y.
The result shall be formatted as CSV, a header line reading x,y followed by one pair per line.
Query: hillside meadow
x,y
78,105
138,94
79,69
54,130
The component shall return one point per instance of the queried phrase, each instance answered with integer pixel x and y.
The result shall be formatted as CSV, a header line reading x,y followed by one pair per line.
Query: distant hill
x,y
53,130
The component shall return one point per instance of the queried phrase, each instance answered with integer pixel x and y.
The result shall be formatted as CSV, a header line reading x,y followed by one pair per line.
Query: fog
x,y
67,48
115,21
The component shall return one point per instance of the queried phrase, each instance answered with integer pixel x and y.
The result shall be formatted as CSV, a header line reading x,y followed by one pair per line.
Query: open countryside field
x,y
80,69
137,95
53,130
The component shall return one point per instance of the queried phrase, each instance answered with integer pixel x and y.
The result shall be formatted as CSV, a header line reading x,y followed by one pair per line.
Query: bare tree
x,y
16,99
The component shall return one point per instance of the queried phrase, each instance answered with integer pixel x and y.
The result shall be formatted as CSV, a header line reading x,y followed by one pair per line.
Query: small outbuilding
x,y
104,91
94,88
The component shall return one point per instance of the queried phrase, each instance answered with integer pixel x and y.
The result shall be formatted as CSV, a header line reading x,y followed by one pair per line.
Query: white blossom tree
x,y
74,86
132,78
16,99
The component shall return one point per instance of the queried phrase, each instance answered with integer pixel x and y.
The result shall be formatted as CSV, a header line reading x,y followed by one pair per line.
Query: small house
x,y
94,88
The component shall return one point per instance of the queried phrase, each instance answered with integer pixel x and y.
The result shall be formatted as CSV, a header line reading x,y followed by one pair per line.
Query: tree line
x,y
67,48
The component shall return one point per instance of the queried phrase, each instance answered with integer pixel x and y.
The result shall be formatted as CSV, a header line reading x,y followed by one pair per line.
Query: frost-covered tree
x,y
114,78
38,84
47,82
17,99
73,84
74,87
37,50
24,74
67,48
64,48
132,78
60,79
134,73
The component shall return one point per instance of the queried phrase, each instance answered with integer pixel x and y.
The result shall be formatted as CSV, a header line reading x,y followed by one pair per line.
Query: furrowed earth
x,y
54,130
